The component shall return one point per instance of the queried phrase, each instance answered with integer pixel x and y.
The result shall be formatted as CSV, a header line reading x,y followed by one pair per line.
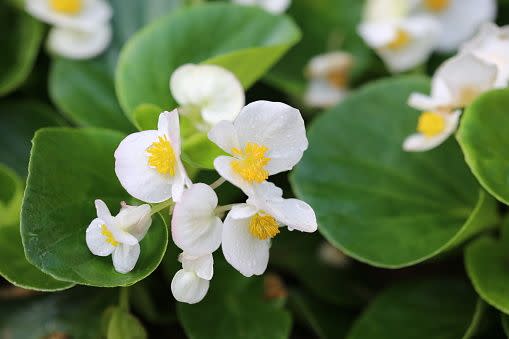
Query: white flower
x,y
82,28
266,138
328,74
248,227
433,129
191,283
207,94
459,19
491,45
118,235
456,83
195,227
402,43
272,6
148,163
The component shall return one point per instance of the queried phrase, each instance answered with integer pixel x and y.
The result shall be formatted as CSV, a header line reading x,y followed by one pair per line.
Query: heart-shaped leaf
x,y
377,203
425,309
84,90
484,140
69,169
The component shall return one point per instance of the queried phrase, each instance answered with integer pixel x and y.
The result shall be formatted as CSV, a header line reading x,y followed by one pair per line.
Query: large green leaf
x,y
245,40
68,170
486,261
73,314
11,193
377,203
484,140
20,41
439,309
234,308
326,25
18,122
84,90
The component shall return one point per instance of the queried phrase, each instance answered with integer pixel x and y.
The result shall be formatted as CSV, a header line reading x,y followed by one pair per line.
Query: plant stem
x,y
225,208
161,206
124,299
217,183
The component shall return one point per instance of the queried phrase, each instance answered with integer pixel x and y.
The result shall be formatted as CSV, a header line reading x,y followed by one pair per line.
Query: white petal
x,y
94,13
322,95
135,220
195,228
272,6
321,65
214,90
224,135
169,125
222,164
74,44
385,10
103,212
461,19
187,287
377,34
278,127
96,241
180,181
125,257
242,211
202,265
419,143
134,173
243,251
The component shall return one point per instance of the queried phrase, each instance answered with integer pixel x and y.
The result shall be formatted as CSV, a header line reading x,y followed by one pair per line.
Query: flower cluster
x,y
405,32
480,65
261,139
81,27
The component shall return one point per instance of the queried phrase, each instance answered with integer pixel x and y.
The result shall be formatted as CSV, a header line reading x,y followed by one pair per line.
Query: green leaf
x,y
505,323
19,119
124,325
486,262
484,141
246,40
234,308
20,41
84,90
11,193
68,170
146,116
73,314
377,203
327,25
426,309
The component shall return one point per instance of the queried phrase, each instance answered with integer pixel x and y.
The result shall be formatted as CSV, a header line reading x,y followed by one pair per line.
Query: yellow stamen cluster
x,y
436,5
109,236
263,226
337,78
401,39
431,124
162,157
67,6
251,162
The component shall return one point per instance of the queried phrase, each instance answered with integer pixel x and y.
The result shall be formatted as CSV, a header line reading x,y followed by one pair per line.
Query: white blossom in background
x,y
266,138
272,6
249,228
148,163
207,94
81,27
328,79
491,45
332,256
119,235
459,19
195,226
191,283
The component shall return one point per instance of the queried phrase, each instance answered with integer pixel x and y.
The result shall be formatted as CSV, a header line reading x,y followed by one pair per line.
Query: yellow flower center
x,y
431,124
67,6
109,236
401,39
337,78
251,162
161,156
436,5
263,226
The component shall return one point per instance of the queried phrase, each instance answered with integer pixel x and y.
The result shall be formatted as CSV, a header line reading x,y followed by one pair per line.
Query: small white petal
x,y
135,220
322,65
96,241
440,99
187,287
243,211
242,250
125,257
215,91
169,125
222,164
385,10
195,228
103,212
202,265
377,34
322,95
224,135
74,44
272,6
